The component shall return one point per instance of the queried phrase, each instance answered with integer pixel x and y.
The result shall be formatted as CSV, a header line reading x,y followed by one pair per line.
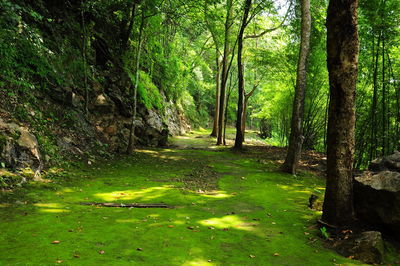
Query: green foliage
x,y
148,93
324,232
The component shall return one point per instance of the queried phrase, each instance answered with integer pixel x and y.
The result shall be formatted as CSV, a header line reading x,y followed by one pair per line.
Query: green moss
x,y
252,215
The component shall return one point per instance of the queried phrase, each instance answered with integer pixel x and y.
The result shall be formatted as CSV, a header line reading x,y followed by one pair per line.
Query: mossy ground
x,y
256,216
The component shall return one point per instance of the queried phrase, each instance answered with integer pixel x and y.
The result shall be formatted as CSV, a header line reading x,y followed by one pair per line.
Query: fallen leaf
x,y
59,261
170,226
56,242
252,256
77,256
190,227
101,252
350,257
276,254
225,229
212,228
306,233
139,249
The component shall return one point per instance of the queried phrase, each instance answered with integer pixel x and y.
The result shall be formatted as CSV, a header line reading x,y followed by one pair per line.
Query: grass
x,y
255,216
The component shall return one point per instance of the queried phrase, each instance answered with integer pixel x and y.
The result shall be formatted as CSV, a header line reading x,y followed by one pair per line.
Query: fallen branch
x,y
127,205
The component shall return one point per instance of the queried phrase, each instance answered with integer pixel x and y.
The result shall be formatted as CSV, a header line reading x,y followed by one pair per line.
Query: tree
x,y
296,135
225,69
241,99
342,48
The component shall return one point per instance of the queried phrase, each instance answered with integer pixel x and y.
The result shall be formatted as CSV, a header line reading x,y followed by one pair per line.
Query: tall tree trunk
x,y
240,110
342,48
374,137
131,141
384,117
84,44
225,68
296,134
217,95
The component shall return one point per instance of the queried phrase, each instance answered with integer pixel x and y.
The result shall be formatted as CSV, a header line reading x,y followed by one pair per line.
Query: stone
x,y
19,148
390,162
377,200
103,104
111,130
366,247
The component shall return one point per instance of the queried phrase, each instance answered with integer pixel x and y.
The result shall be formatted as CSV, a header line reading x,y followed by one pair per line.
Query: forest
x,y
200,132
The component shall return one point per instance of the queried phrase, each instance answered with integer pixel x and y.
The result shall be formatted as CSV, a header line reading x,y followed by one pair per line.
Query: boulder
x,y
377,200
19,148
366,247
390,162
103,104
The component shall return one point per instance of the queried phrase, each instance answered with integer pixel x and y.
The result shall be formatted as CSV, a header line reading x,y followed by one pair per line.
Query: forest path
x,y
230,209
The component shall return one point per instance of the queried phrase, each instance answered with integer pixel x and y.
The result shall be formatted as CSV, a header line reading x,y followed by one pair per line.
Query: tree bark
x,y
225,68
342,48
217,95
241,99
296,134
131,141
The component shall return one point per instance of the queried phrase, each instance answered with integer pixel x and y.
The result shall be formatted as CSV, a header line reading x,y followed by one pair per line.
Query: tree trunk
x,y
240,111
131,141
224,73
296,134
374,138
342,48
217,95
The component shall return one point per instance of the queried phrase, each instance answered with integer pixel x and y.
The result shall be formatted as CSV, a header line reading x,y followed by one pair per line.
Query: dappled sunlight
x,y
51,207
231,222
143,194
54,210
197,262
216,194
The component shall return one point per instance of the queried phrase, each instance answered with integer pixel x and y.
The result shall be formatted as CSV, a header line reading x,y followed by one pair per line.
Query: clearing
x,y
228,209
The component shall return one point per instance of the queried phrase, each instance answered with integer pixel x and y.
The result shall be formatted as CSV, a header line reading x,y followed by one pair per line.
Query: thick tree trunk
x,y
296,134
224,74
241,98
217,96
342,48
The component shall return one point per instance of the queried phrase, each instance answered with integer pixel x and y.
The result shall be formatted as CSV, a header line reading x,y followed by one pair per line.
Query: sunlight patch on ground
x,y
198,262
49,205
144,194
229,221
54,210
216,194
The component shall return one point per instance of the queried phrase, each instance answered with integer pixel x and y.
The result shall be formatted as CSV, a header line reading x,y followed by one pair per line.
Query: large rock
x,y
377,200
366,247
391,163
19,147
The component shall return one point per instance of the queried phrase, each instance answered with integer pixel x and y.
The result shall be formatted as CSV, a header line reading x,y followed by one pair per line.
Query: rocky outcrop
x,y
366,247
19,148
377,195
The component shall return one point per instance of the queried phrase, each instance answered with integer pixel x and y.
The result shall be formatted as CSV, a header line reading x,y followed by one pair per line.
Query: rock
x,y
19,148
102,104
111,130
366,247
390,162
377,200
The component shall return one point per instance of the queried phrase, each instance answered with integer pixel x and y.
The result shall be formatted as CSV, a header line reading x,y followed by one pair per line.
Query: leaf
x,y
59,261
190,227
56,242
139,249
252,256
276,254
101,252
171,226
